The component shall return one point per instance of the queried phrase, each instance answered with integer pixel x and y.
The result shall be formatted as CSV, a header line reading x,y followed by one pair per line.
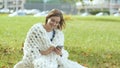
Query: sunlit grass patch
x,y
91,41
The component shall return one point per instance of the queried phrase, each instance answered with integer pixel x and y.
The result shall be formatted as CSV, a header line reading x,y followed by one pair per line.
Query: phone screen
x,y
59,47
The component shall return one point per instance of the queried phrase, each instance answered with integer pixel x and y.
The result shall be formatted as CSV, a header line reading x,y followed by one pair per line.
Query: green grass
x,y
91,41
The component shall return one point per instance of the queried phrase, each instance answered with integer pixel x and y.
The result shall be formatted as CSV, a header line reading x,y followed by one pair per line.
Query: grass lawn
x,y
92,41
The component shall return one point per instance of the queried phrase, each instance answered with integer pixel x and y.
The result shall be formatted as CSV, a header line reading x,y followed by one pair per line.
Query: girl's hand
x,y
58,51
48,51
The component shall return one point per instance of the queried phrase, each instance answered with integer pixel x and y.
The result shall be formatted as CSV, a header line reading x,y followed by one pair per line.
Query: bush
x,y
93,12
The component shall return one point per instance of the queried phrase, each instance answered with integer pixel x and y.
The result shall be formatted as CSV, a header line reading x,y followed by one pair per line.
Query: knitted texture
x,y
37,40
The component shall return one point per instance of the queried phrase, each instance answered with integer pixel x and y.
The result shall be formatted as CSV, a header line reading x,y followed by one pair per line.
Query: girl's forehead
x,y
55,17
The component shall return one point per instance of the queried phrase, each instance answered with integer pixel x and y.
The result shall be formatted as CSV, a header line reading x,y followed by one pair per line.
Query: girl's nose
x,y
55,23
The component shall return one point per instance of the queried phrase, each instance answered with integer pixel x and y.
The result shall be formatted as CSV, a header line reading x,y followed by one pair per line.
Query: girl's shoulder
x,y
37,26
59,31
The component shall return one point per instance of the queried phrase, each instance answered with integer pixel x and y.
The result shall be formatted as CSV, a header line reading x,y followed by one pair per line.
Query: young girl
x,y
43,47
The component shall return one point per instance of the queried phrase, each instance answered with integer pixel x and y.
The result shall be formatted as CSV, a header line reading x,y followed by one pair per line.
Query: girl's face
x,y
53,22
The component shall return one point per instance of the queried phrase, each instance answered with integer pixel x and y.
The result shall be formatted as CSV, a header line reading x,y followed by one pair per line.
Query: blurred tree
x,y
71,2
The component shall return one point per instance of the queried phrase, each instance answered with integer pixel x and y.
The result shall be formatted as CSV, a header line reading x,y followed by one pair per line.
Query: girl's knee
x,y
19,65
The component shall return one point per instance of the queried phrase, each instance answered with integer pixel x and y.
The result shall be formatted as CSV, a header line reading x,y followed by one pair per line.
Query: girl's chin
x,y
53,28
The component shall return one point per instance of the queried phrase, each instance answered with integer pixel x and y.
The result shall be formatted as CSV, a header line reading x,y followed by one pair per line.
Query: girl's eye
x,y
52,20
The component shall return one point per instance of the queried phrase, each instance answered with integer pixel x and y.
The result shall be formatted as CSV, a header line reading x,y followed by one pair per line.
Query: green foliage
x,y
93,12
91,41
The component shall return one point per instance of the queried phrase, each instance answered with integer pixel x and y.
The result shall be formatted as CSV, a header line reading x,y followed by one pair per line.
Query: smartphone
x,y
59,46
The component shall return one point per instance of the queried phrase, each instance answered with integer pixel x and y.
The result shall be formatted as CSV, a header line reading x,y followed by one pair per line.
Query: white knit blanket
x,y
37,40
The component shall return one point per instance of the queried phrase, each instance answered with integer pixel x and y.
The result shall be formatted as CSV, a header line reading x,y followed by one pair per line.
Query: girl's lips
x,y
52,26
